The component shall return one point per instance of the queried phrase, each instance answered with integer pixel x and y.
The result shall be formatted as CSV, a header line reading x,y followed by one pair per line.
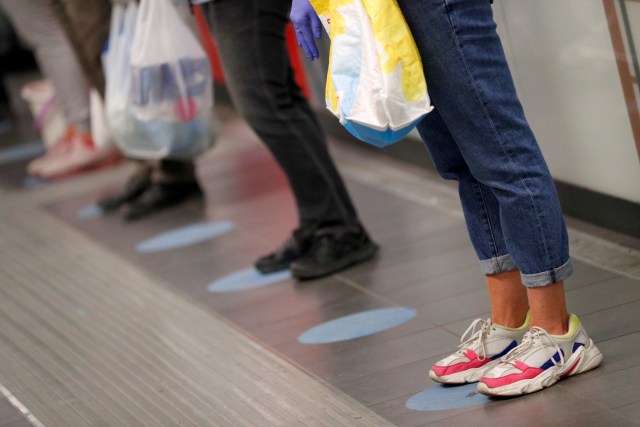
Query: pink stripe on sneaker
x,y
527,373
473,363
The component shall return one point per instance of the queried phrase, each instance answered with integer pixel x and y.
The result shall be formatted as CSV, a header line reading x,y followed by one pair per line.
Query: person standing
x,y
155,185
251,39
478,135
40,24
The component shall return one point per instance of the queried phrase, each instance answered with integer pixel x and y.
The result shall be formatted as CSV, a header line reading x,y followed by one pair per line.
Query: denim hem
x,y
498,264
549,277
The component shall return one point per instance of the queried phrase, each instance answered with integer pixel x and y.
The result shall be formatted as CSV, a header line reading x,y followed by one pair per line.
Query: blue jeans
x,y
478,135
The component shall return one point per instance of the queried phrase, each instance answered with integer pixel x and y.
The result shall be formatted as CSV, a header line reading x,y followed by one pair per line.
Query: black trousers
x,y
251,39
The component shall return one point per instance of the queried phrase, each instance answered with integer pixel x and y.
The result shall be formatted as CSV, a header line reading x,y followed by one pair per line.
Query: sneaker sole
x,y
464,377
580,362
358,257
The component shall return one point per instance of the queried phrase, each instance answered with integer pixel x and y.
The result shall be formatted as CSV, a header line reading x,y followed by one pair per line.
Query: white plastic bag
x,y
171,85
124,127
375,84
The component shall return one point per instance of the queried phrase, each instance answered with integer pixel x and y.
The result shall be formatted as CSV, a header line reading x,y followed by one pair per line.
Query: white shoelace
x,y
475,333
534,335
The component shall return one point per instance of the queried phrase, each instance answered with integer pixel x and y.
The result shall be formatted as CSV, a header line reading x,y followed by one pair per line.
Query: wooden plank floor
x,y
426,263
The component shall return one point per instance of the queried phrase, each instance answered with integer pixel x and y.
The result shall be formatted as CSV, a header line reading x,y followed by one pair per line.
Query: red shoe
x,y
58,149
77,154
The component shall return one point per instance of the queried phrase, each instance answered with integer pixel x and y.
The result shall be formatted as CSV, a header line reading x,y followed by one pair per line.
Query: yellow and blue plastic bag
x,y
375,84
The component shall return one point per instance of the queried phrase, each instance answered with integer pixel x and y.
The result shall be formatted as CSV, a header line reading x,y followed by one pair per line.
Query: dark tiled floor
x,y
426,263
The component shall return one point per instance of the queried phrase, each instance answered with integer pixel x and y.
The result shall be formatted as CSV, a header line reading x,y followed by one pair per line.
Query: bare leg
x,y
548,308
509,304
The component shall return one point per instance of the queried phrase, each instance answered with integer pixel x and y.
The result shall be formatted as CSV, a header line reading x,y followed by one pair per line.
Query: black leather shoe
x,y
161,196
291,250
334,249
134,188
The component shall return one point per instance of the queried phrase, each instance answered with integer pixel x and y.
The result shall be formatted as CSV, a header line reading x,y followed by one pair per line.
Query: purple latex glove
x,y
307,25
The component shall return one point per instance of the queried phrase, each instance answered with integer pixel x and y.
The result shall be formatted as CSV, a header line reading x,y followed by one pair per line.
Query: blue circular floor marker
x,y
185,236
19,152
247,279
357,325
440,398
34,182
90,211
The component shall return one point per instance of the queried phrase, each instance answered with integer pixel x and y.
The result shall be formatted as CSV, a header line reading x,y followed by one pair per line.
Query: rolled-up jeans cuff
x,y
498,264
548,277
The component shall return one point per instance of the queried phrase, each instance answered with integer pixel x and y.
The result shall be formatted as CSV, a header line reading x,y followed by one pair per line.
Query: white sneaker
x,y
540,361
482,346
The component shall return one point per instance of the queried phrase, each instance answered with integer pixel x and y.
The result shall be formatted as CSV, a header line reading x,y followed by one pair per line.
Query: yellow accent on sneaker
x,y
574,324
524,326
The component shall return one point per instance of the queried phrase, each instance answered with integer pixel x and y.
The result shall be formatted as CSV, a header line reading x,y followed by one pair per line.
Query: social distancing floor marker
x,y
440,398
185,236
34,182
247,279
357,325
20,152
90,211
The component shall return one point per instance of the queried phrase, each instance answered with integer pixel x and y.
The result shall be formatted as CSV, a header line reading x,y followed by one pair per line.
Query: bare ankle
x,y
557,325
510,318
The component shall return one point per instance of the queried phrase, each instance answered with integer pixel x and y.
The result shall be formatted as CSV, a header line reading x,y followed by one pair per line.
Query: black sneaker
x,y
334,249
161,196
291,250
136,185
